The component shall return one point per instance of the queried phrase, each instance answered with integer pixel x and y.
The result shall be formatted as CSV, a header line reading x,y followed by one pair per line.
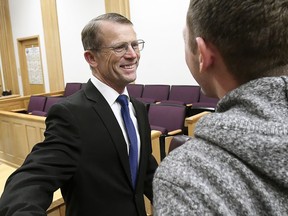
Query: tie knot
x,y
122,99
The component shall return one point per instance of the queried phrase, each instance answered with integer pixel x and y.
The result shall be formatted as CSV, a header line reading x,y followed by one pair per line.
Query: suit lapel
x,y
109,121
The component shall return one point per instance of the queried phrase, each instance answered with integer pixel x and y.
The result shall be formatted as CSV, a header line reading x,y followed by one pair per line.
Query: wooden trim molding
x,y
7,54
52,44
119,6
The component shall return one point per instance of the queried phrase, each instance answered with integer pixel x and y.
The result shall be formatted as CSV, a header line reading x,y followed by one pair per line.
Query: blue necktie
x,y
131,132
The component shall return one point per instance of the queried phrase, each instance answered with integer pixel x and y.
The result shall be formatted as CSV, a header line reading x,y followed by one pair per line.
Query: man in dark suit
x,y
86,147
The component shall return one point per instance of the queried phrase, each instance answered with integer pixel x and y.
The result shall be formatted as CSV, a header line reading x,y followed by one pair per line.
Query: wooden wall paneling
x,y
35,134
52,44
118,6
5,134
19,146
7,54
15,146
19,133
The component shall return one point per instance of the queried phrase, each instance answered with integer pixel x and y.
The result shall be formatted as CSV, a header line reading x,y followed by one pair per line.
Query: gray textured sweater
x,y
237,164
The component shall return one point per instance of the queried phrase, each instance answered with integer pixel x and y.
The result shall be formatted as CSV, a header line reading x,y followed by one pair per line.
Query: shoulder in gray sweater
x,y
237,164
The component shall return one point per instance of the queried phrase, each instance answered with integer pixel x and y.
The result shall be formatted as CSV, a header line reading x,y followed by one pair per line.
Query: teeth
x,y
128,66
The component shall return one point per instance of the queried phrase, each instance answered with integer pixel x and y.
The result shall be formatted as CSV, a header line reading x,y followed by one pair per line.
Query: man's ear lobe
x,y
205,54
90,58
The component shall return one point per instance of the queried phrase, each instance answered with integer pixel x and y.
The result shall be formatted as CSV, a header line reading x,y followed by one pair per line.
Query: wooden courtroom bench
x,y
19,133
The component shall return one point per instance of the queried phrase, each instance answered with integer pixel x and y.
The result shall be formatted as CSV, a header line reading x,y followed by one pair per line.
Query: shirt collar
x,y
108,93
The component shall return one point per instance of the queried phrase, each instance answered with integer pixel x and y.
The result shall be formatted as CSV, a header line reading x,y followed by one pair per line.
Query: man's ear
x,y
90,58
205,54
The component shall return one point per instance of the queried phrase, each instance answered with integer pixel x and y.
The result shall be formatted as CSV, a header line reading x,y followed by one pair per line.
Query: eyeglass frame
x,y
120,51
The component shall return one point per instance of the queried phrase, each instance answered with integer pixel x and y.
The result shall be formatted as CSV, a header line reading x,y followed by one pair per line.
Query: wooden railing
x,y
21,102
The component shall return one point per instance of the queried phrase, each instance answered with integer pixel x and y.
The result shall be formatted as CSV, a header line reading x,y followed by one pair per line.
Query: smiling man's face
x,y
113,69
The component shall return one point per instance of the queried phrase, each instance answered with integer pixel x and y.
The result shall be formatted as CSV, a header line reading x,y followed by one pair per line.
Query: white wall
x,y
26,21
73,15
159,22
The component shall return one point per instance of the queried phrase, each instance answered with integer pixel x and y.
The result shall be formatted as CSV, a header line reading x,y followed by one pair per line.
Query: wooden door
x,y
1,82
31,65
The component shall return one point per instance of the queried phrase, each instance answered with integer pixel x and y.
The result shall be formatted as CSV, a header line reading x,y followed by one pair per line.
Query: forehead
x,y
116,32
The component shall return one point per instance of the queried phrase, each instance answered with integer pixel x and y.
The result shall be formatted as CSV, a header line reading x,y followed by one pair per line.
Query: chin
x,y
131,77
131,80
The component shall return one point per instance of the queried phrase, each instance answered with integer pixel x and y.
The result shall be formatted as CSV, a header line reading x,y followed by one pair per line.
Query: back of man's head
x,y
251,35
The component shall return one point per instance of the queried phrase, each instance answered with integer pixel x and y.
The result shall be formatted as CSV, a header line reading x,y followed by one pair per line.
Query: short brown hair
x,y
91,33
251,35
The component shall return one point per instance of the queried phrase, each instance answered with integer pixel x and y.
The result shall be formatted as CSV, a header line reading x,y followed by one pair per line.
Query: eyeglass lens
x,y
122,48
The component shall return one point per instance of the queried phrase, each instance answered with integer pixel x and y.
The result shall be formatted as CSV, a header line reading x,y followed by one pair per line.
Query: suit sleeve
x,y
49,165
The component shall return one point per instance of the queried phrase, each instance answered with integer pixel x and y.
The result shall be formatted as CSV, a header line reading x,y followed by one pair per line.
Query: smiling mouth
x,y
130,66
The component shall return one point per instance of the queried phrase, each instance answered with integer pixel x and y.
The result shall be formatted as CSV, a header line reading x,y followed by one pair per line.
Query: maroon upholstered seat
x,y
169,118
49,103
135,90
205,101
183,94
71,88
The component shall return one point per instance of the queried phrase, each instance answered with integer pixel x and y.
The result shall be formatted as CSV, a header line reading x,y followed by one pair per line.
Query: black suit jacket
x,y
85,154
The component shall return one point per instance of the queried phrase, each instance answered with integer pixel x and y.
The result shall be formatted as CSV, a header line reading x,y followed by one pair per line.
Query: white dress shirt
x,y
111,95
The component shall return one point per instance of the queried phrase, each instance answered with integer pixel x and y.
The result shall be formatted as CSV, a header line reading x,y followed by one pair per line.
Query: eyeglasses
x,y
120,49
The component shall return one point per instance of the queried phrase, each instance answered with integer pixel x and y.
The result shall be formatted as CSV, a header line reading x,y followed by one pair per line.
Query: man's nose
x,y
131,52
